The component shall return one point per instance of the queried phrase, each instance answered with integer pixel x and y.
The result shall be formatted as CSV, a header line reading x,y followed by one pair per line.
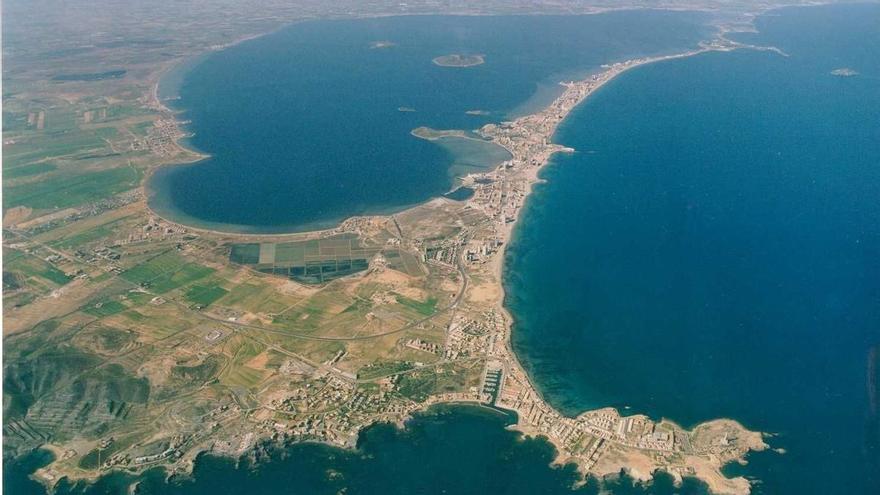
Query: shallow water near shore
x,y
712,249
311,124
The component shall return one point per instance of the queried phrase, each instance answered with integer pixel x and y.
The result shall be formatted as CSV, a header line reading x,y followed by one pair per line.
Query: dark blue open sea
x,y
311,124
713,249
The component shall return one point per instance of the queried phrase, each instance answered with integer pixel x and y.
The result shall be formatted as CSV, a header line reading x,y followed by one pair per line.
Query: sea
x,y
710,250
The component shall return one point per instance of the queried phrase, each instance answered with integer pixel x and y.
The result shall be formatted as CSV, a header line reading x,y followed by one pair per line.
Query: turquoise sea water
x,y
713,249
311,124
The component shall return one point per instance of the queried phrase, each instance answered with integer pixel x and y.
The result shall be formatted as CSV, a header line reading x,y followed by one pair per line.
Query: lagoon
x,y
311,124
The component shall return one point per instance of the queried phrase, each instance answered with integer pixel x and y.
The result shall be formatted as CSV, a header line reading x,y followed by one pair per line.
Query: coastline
x,y
518,394
192,156
533,162
584,383
576,93
154,100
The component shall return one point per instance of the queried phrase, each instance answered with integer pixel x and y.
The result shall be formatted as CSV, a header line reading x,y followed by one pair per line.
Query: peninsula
x,y
314,336
136,341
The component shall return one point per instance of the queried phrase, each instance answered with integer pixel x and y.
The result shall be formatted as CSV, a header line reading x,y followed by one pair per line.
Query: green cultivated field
x,y
28,170
105,308
52,145
205,295
31,266
153,268
64,191
86,236
166,272
426,308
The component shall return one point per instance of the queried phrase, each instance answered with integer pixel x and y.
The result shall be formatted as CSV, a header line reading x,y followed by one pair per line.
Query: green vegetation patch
x,y
123,111
426,308
244,293
187,274
199,373
422,383
134,316
244,377
107,132
31,266
359,306
276,359
402,261
122,385
105,340
17,300
105,308
26,381
63,190
28,170
142,128
166,272
64,140
90,76
205,295
383,368
86,236
14,121
257,297
139,298
153,268
12,281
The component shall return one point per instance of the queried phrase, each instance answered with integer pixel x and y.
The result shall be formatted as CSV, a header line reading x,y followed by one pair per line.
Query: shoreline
x,y
550,117
718,482
518,394
154,100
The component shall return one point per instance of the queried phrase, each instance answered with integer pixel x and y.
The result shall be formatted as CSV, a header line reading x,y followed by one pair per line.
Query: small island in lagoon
x,y
844,72
458,60
382,44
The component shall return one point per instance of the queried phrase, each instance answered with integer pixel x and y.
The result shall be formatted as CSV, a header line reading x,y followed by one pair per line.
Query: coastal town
x,y
587,439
